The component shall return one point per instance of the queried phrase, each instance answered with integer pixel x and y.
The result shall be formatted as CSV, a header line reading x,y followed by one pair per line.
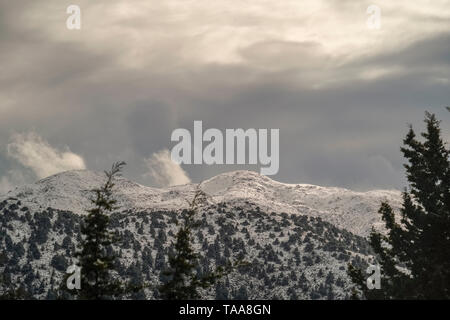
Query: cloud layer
x,y
340,94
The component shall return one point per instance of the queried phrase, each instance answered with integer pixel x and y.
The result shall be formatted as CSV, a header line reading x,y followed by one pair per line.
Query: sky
x,y
341,92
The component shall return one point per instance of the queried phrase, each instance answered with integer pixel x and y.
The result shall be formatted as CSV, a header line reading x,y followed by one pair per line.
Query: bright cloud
x,y
37,154
164,171
215,31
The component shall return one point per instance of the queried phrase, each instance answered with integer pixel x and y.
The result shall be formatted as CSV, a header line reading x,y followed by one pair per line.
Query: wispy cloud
x,y
164,171
5,185
35,153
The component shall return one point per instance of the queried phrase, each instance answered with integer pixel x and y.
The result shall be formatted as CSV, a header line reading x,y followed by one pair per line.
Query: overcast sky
x,y
341,93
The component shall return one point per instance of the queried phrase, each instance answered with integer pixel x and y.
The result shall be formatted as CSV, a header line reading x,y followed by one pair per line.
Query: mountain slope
x,y
298,239
354,211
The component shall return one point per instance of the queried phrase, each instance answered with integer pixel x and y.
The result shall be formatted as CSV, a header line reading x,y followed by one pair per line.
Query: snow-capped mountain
x,y
351,210
298,239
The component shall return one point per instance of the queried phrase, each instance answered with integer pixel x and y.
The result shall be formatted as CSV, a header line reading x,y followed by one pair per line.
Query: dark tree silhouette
x,y
183,280
95,255
414,254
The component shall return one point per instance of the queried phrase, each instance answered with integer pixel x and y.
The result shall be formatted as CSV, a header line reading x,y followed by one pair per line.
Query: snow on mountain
x,y
351,210
295,236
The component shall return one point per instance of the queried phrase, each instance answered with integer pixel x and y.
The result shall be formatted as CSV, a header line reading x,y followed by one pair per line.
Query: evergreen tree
x,y
11,293
183,280
8,291
96,258
414,254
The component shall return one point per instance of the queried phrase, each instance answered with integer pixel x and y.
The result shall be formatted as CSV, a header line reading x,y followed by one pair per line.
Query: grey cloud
x,y
345,131
286,54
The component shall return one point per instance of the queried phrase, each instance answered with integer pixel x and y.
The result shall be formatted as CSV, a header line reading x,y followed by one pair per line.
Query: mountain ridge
x,y
352,210
298,255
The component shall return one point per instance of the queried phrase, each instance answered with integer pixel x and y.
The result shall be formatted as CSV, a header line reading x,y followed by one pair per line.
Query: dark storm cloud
x,y
341,121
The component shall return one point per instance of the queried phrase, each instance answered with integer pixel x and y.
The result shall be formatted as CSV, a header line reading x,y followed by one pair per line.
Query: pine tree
x,y
95,257
183,280
14,294
414,254
8,291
